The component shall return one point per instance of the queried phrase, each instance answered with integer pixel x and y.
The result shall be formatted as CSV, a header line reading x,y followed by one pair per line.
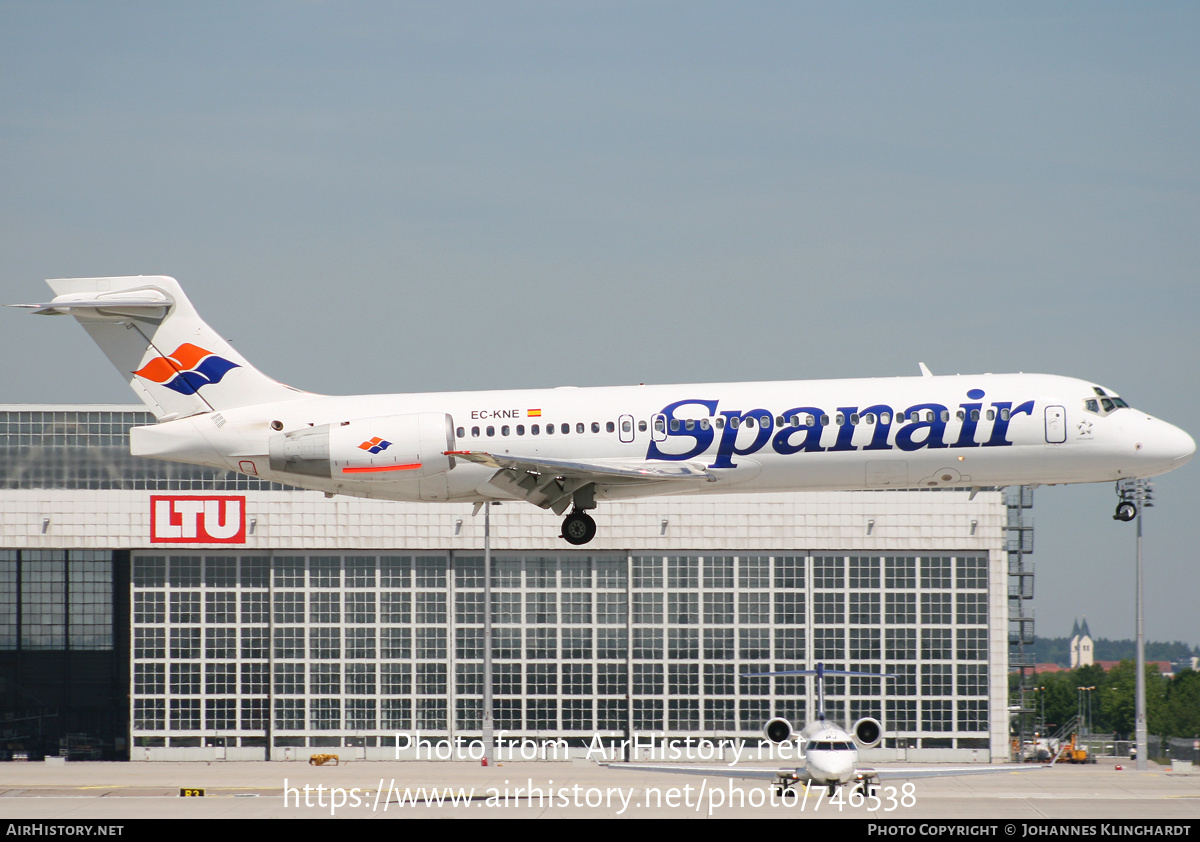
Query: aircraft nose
x,y
1168,446
1179,445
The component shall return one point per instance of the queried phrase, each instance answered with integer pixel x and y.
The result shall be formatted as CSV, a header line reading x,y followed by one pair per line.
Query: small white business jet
x,y
568,448
829,752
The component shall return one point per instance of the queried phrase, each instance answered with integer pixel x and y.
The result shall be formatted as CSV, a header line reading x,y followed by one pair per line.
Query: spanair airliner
x,y
567,449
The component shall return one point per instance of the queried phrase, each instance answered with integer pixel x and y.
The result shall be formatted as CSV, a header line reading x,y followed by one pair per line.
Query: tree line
x,y
1172,703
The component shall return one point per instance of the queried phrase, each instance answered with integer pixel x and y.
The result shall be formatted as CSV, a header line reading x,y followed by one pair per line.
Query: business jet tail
x,y
176,363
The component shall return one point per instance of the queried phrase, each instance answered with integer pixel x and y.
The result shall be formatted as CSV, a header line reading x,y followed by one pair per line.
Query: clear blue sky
x,y
404,196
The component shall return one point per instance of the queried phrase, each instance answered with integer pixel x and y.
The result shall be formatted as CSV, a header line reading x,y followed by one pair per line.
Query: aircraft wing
x,y
549,483
713,771
895,773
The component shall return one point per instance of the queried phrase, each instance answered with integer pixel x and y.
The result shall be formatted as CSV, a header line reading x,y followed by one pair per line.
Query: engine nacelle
x,y
389,448
867,732
778,730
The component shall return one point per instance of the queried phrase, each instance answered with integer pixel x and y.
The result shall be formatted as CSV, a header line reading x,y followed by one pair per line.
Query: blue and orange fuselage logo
x,y
187,369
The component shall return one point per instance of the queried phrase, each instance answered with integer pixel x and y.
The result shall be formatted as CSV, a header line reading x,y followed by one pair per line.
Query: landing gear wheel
x,y
1125,512
578,528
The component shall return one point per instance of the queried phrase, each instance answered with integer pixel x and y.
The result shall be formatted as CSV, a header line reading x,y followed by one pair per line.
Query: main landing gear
x,y
578,527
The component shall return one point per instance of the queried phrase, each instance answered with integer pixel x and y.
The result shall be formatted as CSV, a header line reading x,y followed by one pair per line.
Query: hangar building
x,y
155,611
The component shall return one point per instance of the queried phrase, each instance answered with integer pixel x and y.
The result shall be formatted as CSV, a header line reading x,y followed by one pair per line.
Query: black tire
x,y
1125,511
578,528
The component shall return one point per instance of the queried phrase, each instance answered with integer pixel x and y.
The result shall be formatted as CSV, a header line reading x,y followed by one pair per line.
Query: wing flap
x,y
552,483
592,469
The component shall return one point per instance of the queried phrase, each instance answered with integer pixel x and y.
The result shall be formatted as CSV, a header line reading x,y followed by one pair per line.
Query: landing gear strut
x,y
578,527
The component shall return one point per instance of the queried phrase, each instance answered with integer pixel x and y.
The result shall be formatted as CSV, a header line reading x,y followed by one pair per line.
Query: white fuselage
x,y
969,430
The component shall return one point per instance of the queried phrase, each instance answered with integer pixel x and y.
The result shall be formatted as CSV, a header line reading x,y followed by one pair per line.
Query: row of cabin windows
x,y
735,422
550,429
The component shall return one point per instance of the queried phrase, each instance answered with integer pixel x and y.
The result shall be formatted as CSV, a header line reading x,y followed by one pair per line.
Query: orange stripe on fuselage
x,y
374,470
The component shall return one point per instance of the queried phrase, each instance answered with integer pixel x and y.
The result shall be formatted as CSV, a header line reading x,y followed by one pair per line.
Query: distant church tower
x,y
1081,646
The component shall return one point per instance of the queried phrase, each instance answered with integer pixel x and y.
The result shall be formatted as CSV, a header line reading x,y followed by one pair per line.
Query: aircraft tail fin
x,y
176,363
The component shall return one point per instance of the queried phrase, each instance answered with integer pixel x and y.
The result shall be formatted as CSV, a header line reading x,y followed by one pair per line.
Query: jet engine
x,y
778,730
384,449
867,732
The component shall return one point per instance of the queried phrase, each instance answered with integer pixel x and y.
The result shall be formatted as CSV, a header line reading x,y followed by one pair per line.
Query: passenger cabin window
x,y
535,429
520,429
659,425
504,430
579,427
641,426
549,429
611,427
491,431
627,426
564,428
460,432
595,426
475,432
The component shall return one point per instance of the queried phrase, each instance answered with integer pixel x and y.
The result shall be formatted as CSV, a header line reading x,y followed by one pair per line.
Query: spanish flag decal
x,y
533,413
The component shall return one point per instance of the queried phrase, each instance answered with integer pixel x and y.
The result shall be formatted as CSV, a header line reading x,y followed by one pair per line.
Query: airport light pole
x,y
488,735
1138,492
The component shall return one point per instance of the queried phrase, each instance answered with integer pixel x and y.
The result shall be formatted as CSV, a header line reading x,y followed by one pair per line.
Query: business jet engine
x,y
778,730
867,732
389,448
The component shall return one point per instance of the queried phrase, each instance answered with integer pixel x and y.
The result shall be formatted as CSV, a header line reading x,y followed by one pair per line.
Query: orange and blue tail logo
x,y
187,369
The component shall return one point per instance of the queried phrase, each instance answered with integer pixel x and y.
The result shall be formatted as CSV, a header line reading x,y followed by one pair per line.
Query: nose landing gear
x,y
1125,511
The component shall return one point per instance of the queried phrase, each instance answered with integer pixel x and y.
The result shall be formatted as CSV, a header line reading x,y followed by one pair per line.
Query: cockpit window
x,y
1105,404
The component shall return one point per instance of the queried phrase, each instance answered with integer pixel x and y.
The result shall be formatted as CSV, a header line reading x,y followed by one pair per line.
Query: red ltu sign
x,y
198,520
